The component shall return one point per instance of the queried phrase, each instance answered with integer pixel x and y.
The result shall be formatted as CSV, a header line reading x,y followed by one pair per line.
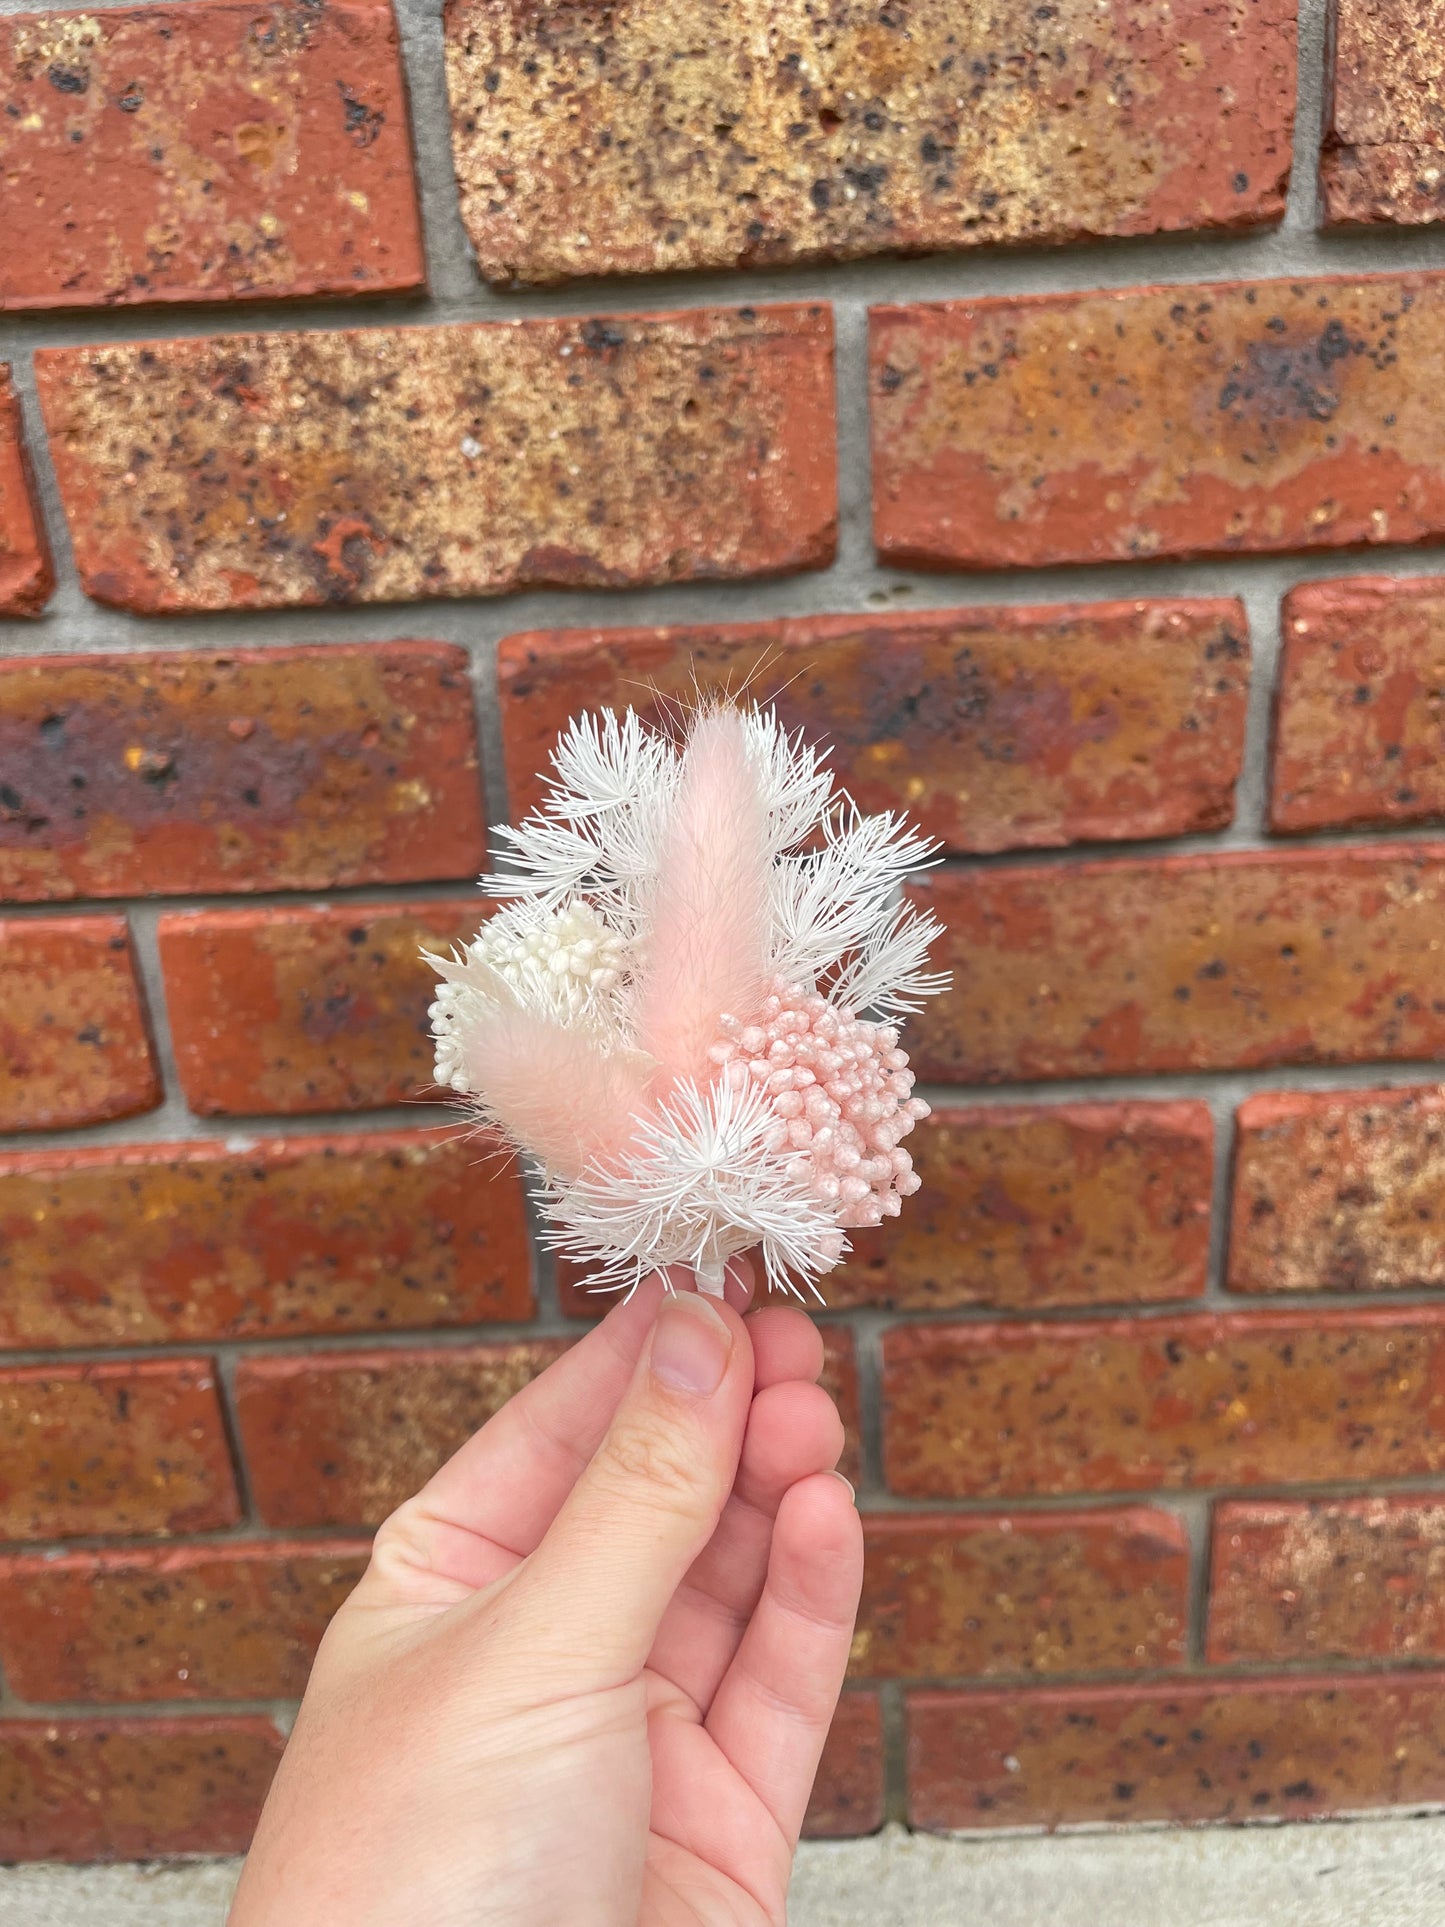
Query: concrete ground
x,y
1365,1873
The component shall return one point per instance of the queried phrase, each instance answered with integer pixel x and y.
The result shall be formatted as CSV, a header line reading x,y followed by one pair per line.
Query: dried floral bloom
x,y
668,1014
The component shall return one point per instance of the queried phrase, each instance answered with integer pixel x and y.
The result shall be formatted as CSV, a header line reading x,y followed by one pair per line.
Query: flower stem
x,y
709,1275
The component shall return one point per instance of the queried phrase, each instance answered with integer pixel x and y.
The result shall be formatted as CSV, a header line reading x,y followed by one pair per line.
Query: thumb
x,y
598,1585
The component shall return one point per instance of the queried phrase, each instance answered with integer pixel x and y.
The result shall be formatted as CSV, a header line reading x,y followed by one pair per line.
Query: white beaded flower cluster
x,y
563,961
667,1013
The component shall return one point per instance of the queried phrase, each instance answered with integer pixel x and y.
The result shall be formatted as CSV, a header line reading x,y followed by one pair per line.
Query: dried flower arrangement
x,y
667,1016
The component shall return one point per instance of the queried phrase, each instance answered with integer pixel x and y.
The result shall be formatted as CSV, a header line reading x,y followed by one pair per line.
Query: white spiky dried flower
x,y
675,1015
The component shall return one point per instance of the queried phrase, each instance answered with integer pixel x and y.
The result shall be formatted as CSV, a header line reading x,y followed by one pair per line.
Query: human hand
x,y
588,1673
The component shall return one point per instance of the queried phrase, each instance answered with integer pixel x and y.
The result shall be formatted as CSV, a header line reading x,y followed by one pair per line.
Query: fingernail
x,y
848,1482
690,1344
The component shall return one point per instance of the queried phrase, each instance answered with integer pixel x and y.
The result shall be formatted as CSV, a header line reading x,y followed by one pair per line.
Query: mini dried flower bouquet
x,y
667,1015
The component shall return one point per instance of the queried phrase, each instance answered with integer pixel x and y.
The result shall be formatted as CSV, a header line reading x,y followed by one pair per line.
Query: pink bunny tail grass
x,y
553,1090
707,940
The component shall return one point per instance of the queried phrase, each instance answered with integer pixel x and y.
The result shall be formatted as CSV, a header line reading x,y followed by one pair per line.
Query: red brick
x,y
993,728
205,152
1284,1749
839,1379
108,1789
189,1622
1359,704
27,579
342,1438
1383,154
150,1243
1033,1205
1344,1579
1038,1592
656,137
1339,1191
247,769
1187,963
1123,1405
848,1792
1016,432
124,1448
398,463
316,1009
74,1040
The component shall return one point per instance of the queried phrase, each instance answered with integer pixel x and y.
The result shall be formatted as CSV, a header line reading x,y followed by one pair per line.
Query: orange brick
x,y
1383,154
27,578
993,728
117,1789
188,1622
656,137
151,1243
248,769
342,1438
1139,423
848,1792
1343,1579
308,1009
1035,1592
1288,1749
205,153
1249,958
398,463
1123,1405
1033,1205
123,1448
1339,1191
1358,704
839,1379
74,1040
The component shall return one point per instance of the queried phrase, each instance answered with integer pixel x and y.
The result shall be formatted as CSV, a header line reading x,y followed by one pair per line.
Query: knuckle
x,y
399,1545
644,1454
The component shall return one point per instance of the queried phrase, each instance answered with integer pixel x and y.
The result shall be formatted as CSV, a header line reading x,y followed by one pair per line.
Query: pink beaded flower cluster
x,y
679,1014
841,1092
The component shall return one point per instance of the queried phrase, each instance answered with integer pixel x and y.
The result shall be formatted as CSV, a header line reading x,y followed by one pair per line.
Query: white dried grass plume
x,y
675,1014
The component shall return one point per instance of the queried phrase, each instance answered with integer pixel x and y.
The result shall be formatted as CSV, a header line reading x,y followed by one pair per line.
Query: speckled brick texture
x,y
1244,959
341,1438
315,1009
251,769
1339,1191
74,1036
185,1622
1120,1405
1151,422
980,1595
1352,1579
207,152
1359,706
391,464
1280,1749
1027,1206
848,1794
26,574
266,1238
994,729
132,1789
839,1379
133,1448
653,138
1382,160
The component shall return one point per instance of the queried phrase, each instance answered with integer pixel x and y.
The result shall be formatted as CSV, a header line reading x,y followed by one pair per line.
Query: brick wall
x,y
1146,1392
